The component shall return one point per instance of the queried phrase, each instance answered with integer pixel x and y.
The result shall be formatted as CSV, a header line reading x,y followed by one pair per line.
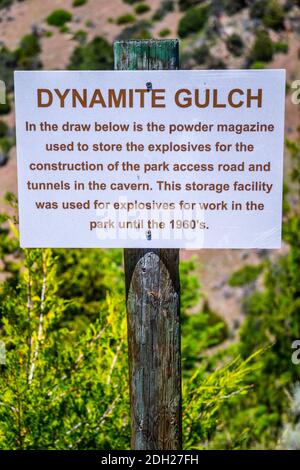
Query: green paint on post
x,y
147,55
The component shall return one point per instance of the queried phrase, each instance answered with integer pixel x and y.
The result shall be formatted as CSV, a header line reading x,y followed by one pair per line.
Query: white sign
x,y
158,159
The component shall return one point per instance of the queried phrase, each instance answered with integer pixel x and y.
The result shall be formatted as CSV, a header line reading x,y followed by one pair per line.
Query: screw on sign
x,y
2,92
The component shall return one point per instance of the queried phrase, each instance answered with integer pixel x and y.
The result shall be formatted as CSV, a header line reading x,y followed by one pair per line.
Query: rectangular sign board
x,y
150,159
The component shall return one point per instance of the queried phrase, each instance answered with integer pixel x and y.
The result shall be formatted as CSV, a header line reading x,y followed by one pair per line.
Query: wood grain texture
x,y
153,303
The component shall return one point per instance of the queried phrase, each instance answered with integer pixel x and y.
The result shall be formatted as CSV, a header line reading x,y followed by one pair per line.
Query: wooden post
x,y
153,302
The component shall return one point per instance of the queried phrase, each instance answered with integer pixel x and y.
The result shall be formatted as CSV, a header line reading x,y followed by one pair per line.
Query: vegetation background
x,y
63,349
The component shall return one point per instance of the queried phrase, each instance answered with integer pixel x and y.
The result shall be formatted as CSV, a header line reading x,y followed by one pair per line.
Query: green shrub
x,y
158,15
273,15
258,65
5,3
25,57
270,12
96,55
3,129
79,3
142,33
6,107
29,46
130,2
245,275
193,21
125,19
186,4
141,8
164,32
28,52
166,7
263,48
235,44
80,36
138,30
64,29
281,46
8,63
59,18
258,8
6,144
233,6
47,34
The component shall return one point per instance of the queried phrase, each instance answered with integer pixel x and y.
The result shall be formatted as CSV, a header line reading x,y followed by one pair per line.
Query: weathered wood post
x,y
153,302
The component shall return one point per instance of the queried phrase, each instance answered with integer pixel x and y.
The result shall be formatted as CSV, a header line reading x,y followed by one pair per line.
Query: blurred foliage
x,y
200,331
164,32
3,129
205,396
166,7
59,17
258,8
64,382
139,30
186,4
142,8
6,143
193,20
8,63
235,44
79,3
233,6
5,3
27,54
258,65
263,48
273,16
80,36
25,57
96,55
125,19
246,275
5,108
281,46
29,46
270,12
273,320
